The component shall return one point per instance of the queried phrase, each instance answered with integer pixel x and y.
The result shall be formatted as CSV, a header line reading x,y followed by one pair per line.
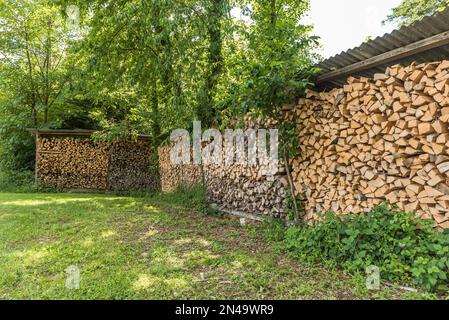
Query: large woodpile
x,y
81,164
375,140
72,163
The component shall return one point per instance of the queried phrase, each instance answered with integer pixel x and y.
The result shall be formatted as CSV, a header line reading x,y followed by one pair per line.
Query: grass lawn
x,y
150,248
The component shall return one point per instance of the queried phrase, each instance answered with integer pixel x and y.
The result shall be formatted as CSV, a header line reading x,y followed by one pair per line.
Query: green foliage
x,y
17,181
36,69
17,145
410,11
35,62
289,207
147,67
289,135
274,230
193,197
272,63
402,246
177,61
21,182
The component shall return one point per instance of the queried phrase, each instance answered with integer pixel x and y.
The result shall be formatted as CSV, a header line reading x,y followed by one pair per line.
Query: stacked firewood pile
x,y
174,176
375,140
81,164
246,189
249,188
233,187
129,166
71,163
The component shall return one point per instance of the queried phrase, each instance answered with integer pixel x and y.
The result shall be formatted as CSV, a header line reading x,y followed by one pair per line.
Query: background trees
x,y
146,66
410,11
150,66
35,75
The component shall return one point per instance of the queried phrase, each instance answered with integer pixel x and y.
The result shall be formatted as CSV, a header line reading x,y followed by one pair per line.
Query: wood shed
x,y
71,160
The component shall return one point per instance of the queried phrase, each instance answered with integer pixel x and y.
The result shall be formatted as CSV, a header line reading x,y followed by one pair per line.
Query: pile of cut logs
x,y
245,189
175,176
71,163
233,187
129,166
375,140
249,188
80,163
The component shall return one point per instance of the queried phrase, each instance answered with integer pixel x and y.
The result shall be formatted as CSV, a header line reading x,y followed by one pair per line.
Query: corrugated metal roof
x,y
427,27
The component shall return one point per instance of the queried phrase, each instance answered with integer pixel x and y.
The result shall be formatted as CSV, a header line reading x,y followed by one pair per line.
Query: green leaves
x,y
388,239
410,11
151,66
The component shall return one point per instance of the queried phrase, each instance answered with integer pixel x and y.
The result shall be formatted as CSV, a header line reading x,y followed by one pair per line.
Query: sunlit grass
x,y
149,248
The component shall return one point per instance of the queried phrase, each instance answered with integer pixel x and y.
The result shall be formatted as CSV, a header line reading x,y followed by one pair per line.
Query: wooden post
x,y
36,164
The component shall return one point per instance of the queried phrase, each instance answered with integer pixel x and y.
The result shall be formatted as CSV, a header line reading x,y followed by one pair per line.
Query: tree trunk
x,y
45,121
206,111
31,78
156,126
273,14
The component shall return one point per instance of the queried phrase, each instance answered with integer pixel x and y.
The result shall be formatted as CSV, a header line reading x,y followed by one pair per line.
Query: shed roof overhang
x,y
424,41
71,133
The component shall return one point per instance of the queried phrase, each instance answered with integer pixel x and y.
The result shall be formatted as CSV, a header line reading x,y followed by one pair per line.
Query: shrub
x,y
16,180
401,245
21,181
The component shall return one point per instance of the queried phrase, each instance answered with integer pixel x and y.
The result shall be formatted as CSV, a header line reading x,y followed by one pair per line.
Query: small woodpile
x,y
129,166
81,164
234,187
246,189
249,188
174,176
375,140
72,163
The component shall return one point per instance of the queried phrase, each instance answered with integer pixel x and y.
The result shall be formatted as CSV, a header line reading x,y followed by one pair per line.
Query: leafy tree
x,y
163,62
33,48
137,53
151,66
410,11
216,11
35,73
278,66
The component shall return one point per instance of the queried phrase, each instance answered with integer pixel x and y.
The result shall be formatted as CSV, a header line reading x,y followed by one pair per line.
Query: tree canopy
x,y
410,11
134,66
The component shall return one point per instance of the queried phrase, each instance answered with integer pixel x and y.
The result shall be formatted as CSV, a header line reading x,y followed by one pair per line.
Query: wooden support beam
x,y
36,161
393,55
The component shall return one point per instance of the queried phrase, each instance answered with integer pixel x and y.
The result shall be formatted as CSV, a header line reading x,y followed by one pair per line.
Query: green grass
x,y
151,248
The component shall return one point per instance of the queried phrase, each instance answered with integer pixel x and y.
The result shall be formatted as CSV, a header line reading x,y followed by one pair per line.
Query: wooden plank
x,y
409,50
50,152
81,133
